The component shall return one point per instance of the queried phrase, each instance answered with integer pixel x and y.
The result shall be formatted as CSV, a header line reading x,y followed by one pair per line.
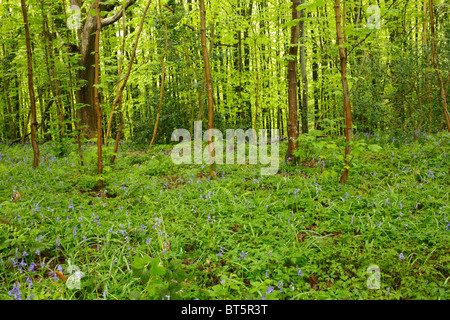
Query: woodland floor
x,y
164,231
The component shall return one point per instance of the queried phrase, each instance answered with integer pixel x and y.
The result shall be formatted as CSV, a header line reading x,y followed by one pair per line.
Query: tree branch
x,y
110,20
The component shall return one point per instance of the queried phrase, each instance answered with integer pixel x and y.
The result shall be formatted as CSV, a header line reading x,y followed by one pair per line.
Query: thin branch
x,y
110,20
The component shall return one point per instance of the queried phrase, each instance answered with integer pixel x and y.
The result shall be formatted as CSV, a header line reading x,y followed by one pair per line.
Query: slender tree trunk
x,y
119,73
72,102
292,92
303,72
347,106
96,96
436,69
257,88
124,83
52,74
25,128
10,110
163,75
34,122
209,88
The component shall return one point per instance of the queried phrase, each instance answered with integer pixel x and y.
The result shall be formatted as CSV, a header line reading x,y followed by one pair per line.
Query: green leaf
x,y
140,263
374,148
157,268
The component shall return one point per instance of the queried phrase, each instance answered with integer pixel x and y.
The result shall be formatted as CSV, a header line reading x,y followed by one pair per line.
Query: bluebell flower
x,y
270,289
15,291
31,267
243,255
22,263
30,282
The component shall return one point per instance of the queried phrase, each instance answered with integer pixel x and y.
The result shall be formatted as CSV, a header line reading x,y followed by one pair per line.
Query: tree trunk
x,y
163,75
119,74
72,102
436,69
209,88
96,95
292,92
52,74
85,96
124,83
303,72
347,106
34,122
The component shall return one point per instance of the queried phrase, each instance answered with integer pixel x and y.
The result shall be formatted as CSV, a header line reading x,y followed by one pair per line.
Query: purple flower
x,y
243,255
31,267
15,292
400,256
30,282
220,253
22,263
269,290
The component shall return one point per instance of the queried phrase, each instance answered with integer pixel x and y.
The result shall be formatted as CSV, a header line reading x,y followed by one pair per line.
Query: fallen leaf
x,y
60,275
16,196
312,282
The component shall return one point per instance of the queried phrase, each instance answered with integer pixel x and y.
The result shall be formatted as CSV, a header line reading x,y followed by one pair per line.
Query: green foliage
x,y
160,281
157,232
